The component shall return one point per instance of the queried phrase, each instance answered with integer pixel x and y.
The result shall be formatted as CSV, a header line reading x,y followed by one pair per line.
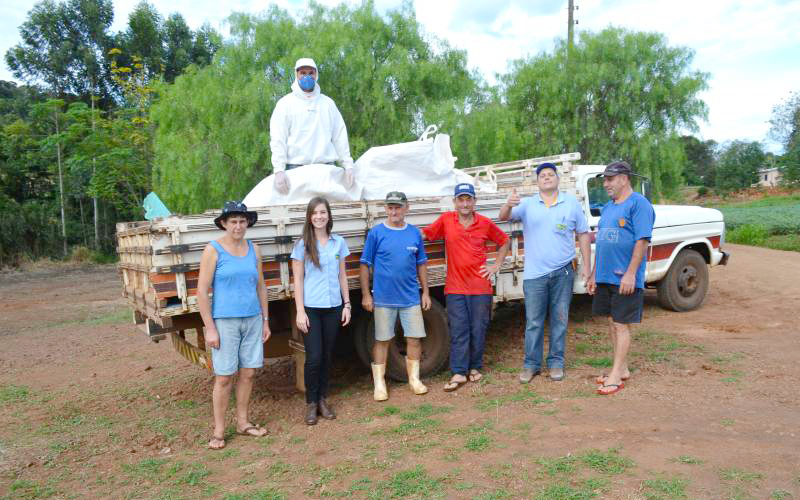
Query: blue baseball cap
x,y
546,165
464,189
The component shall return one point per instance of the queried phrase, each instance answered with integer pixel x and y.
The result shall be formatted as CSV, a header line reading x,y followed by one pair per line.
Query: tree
x,y
212,140
620,95
179,46
699,160
738,164
62,46
144,38
785,129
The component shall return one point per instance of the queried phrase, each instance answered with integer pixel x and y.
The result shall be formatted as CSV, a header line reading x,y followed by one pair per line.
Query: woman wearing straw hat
x,y
236,320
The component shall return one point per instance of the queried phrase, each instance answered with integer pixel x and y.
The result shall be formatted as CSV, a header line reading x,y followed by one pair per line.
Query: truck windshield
x,y
598,196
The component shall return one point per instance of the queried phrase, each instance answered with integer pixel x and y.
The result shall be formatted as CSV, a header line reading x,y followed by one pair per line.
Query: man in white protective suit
x,y
306,128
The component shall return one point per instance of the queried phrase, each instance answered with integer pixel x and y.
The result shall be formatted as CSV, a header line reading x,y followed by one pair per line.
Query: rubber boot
x,y
381,392
412,367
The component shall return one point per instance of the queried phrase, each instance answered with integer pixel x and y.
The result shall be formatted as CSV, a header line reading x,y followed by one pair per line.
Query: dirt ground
x,y
89,408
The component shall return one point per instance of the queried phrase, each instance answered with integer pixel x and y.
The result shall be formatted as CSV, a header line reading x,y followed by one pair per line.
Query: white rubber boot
x,y
381,392
412,367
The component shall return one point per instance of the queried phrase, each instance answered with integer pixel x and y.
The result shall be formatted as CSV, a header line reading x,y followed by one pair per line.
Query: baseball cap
x,y
305,61
464,188
396,198
546,165
618,167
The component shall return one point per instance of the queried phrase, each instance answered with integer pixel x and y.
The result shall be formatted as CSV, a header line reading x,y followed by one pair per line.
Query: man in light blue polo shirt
x,y
550,221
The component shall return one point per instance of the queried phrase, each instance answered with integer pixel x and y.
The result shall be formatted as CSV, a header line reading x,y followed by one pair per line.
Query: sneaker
x,y
557,374
526,375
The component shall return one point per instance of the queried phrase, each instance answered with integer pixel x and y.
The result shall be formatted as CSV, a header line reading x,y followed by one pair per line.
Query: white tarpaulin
x,y
423,168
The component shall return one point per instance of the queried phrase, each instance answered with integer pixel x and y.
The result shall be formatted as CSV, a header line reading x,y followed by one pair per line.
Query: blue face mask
x,y
306,82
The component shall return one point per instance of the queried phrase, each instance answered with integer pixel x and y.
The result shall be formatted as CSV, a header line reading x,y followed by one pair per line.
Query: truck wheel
x,y
686,283
435,346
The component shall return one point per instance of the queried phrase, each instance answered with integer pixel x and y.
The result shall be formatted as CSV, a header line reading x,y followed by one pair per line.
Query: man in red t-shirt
x,y
468,291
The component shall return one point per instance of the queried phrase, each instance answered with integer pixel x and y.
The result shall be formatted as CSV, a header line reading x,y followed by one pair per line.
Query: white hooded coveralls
x,y
306,128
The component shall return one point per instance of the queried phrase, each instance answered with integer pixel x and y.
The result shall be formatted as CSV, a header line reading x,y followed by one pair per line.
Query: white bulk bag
x,y
421,168
305,183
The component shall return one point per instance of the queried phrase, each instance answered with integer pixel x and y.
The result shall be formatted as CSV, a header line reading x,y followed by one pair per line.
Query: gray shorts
x,y
240,344
410,320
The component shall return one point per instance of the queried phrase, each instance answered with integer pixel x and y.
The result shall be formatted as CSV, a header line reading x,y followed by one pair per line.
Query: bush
x,y
702,191
748,234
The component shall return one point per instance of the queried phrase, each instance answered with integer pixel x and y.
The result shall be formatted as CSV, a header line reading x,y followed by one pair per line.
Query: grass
x,y
665,488
24,488
740,476
525,395
772,222
13,393
413,483
266,494
563,490
688,459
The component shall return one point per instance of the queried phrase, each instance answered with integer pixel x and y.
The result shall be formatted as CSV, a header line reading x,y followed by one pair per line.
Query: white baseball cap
x,y
305,62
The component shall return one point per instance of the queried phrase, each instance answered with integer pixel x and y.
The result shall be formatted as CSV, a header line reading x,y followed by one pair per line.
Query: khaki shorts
x,y
410,320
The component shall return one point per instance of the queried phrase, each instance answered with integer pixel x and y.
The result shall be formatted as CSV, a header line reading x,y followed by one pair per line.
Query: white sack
x,y
305,182
420,168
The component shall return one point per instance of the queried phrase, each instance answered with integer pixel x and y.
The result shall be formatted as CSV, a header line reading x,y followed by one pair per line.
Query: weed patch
x,y
13,393
412,484
525,395
665,489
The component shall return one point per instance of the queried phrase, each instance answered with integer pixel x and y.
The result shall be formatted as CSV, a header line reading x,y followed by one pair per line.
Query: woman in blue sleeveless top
x,y
322,299
236,319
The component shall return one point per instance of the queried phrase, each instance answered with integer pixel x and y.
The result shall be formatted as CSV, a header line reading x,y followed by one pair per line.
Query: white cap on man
x,y
305,62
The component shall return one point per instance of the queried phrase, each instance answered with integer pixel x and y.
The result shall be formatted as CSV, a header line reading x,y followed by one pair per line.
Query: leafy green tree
x,y
179,46
144,38
785,128
62,47
738,164
620,95
212,139
699,160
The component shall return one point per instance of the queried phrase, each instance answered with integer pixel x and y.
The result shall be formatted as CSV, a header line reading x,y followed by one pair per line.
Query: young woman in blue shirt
x,y
236,320
322,299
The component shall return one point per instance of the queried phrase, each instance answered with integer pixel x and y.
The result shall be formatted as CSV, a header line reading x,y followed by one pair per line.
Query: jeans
x,y
468,317
551,293
319,343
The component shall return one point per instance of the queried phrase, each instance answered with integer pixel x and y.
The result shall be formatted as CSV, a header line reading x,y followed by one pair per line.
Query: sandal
x,y
257,428
601,379
475,375
218,439
616,388
453,385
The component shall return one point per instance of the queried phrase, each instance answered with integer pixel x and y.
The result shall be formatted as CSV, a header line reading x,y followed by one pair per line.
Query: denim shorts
x,y
240,344
410,320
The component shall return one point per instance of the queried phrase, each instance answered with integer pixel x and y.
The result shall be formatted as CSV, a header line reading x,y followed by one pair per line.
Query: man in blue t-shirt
x,y
623,235
395,252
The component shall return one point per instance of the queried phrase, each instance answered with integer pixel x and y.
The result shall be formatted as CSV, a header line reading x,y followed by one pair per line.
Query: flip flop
x,y
602,378
246,431
475,376
213,437
617,388
450,387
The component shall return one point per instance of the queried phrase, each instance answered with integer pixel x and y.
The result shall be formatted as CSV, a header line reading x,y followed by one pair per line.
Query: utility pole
x,y
570,23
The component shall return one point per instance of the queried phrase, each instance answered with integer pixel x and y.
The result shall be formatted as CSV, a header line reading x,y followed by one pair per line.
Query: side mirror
x,y
647,190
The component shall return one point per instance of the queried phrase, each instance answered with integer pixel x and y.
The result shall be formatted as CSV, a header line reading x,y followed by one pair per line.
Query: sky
x,y
750,48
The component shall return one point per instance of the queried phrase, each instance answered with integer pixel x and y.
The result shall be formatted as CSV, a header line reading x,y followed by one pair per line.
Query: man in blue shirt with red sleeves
x,y
623,236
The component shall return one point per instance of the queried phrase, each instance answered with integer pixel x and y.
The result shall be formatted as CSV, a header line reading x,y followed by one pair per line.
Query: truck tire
x,y
435,346
686,283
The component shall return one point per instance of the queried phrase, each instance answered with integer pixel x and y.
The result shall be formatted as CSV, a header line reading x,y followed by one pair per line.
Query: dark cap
x,y
396,198
546,165
618,167
235,208
464,188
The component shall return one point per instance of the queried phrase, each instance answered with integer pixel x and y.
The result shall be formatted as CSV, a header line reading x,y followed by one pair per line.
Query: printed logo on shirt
x,y
561,227
608,234
621,222
412,248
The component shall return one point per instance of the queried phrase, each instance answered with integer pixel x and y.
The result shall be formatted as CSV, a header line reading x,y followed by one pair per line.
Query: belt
x,y
290,166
